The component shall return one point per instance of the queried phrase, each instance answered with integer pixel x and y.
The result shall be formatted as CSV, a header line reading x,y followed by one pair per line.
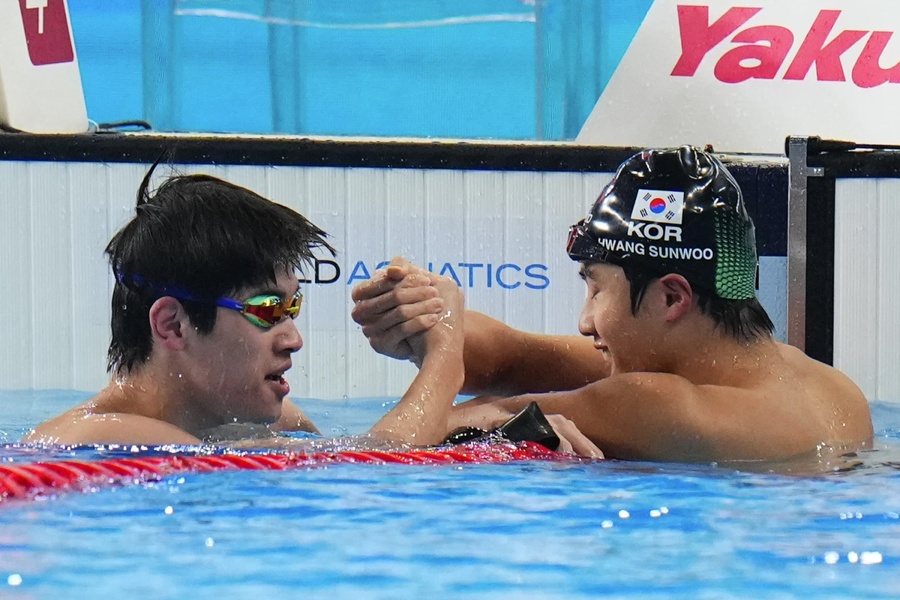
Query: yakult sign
x,y
743,77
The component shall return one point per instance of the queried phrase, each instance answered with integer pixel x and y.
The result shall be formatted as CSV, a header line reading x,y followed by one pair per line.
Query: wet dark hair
x,y
203,236
744,320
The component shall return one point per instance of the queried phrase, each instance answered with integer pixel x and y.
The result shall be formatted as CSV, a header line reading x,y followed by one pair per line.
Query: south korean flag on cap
x,y
658,206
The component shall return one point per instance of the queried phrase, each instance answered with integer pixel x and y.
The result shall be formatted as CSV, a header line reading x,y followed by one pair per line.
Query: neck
x,y
159,392
715,357
704,353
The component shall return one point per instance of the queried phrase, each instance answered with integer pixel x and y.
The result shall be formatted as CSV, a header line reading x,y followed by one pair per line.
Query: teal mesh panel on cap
x,y
736,264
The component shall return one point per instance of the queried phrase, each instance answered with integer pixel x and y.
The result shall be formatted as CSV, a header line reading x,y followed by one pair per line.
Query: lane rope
x,y
48,478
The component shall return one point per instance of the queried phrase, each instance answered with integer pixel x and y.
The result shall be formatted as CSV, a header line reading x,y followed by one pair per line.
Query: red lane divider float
x,y
32,480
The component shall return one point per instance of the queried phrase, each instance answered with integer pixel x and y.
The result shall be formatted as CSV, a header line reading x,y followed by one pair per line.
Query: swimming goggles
x,y
265,311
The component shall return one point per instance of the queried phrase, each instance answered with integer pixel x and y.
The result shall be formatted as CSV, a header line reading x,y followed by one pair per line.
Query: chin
x,y
269,419
262,417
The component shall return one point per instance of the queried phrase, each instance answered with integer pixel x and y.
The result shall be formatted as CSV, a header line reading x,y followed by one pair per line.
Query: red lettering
x,y
867,72
765,58
763,50
698,37
826,57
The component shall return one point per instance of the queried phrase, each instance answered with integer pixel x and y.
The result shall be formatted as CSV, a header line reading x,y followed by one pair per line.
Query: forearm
x,y
504,361
619,417
421,417
485,412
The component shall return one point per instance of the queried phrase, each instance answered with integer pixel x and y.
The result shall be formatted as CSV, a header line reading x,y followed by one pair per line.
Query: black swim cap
x,y
673,211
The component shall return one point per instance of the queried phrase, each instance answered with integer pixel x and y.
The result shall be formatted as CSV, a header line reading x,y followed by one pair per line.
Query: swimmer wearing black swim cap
x,y
677,211
680,362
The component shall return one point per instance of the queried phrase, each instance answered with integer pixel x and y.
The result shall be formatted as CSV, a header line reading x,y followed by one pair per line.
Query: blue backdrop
x,y
520,69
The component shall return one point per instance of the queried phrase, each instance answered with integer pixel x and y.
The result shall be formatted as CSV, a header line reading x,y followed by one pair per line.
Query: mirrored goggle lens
x,y
266,311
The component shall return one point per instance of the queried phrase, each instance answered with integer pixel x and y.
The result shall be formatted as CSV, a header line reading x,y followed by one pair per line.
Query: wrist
x,y
448,361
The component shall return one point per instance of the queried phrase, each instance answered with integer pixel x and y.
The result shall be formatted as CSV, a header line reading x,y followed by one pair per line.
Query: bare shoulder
x,y
293,419
798,359
839,402
634,397
765,416
653,386
49,429
819,375
84,424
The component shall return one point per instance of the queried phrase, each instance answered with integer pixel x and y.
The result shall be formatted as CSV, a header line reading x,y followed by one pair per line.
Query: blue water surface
x,y
526,530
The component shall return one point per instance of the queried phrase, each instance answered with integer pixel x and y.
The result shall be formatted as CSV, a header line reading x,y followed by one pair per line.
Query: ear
x,y
169,323
678,295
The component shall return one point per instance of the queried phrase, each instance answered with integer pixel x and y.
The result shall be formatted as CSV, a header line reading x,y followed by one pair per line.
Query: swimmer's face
x,y
238,368
622,337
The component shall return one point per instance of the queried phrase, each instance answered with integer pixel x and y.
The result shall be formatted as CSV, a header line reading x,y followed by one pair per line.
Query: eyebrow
x,y
585,271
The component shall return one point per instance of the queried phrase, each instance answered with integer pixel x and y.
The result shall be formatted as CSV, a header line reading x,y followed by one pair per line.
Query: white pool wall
x,y
867,284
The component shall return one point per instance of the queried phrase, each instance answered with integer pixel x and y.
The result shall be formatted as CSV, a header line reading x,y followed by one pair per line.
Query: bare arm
x,y
108,428
656,416
397,304
421,417
501,360
571,440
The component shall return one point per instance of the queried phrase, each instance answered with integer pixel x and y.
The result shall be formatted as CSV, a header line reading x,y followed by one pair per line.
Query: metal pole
x,y
799,173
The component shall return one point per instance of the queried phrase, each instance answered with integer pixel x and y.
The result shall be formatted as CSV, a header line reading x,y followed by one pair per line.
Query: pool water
x,y
524,530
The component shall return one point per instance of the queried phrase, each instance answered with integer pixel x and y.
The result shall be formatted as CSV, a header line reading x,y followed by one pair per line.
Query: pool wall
x,y
852,197
493,215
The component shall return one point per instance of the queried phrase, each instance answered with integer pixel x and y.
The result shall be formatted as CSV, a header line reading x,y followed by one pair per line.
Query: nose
x,y
289,338
585,323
